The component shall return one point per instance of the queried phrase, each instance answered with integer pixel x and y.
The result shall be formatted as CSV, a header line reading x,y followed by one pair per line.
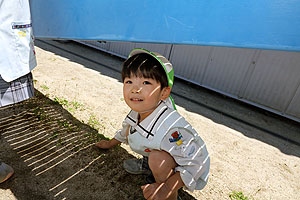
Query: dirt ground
x,y
49,139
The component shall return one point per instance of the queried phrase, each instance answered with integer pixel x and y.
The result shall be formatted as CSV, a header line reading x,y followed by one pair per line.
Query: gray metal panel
x,y
189,61
264,78
294,107
228,68
121,48
163,49
274,80
102,45
124,48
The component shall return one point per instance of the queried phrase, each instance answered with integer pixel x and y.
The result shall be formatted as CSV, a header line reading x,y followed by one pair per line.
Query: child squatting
x,y
173,152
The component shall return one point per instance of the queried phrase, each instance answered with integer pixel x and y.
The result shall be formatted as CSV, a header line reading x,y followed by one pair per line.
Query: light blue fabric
x,y
17,56
17,90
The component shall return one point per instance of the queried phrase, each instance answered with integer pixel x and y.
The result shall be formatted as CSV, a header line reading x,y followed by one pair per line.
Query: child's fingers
x,y
102,144
99,144
145,186
146,192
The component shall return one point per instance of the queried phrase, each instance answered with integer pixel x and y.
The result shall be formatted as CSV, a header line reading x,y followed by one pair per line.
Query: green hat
x,y
164,63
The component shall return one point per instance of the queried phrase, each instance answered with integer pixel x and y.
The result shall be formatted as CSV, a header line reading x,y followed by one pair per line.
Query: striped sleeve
x,y
121,135
190,153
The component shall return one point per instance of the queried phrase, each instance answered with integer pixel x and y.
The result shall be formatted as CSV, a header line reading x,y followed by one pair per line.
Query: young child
x,y
176,155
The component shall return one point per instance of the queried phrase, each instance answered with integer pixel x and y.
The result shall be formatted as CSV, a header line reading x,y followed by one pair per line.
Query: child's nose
x,y
136,89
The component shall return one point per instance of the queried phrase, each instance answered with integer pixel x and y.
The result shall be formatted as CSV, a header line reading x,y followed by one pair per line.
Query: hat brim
x,y
169,73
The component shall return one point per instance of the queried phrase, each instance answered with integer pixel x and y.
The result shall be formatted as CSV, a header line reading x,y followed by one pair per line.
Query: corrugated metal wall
x,y
264,78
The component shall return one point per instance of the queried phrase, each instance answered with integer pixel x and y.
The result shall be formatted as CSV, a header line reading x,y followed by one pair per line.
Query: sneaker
x,y
6,172
150,179
137,166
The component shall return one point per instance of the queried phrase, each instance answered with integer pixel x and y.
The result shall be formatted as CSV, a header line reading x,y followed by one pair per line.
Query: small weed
x,y
93,122
54,135
237,196
70,106
76,104
40,113
44,87
61,101
65,124
70,109
60,142
76,148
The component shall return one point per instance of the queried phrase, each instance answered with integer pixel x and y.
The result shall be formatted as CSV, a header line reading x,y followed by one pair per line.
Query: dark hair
x,y
144,65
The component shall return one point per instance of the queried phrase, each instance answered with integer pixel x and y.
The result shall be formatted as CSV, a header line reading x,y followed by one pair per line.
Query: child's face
x,y
143,94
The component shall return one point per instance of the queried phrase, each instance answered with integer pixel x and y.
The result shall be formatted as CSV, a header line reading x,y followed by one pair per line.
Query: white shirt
x,y
165,129
17,56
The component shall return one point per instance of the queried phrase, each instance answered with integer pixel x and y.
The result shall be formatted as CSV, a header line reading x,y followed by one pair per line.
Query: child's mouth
x,y
136,99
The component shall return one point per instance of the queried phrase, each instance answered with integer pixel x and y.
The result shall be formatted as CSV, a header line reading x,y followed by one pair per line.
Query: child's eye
x,y
128,82
146,83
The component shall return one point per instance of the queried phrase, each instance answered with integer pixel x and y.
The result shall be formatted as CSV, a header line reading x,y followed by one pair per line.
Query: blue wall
x,y
263,24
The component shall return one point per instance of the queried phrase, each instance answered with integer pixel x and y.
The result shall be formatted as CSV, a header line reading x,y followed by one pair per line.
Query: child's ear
x,y
165,93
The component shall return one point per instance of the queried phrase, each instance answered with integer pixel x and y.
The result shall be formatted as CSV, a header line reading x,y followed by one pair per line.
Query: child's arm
x,y
121,136
163,190
107,144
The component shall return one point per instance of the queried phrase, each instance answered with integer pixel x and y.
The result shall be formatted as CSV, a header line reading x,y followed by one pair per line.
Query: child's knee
x,y
161,160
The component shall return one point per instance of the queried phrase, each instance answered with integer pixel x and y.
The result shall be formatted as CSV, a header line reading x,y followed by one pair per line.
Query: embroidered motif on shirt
x,y
147,150
176,138
22,33
192,151
21,26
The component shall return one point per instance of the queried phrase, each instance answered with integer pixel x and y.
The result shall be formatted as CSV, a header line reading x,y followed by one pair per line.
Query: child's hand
x,y
103,144
107,144
155,191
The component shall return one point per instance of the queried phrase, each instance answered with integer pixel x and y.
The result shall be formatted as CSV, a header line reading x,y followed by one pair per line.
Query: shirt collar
x,y
146,127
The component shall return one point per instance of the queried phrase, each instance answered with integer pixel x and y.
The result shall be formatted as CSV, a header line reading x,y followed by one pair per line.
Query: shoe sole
x,y
137,173
7,177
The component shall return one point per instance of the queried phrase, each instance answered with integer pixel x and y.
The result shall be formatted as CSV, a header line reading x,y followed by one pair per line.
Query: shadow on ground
x,y
53,156
251,121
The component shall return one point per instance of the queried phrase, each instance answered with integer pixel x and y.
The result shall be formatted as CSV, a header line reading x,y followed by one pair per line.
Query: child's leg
x,y
162,166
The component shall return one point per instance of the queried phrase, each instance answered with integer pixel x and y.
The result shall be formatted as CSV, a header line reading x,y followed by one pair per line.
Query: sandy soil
x,y
49,139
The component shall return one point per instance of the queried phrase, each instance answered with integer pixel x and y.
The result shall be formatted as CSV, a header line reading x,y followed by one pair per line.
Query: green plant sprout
x,y
237,196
